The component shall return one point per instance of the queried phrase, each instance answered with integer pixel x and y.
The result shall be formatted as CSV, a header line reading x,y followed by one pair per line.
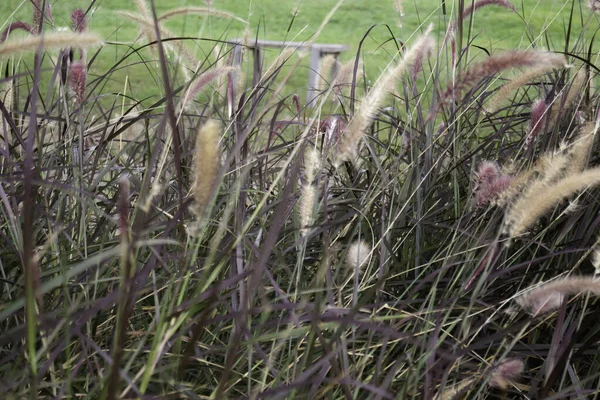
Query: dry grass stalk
x,y
240,85
541,198
50,40
504,92
206,164
350,140
549,296
221,61
155,190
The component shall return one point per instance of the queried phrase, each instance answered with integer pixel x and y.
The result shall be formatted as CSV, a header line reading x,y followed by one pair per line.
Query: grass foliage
x,y
426,229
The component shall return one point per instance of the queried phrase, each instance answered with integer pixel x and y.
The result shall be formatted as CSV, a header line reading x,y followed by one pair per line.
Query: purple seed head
x,y
79,20
77,79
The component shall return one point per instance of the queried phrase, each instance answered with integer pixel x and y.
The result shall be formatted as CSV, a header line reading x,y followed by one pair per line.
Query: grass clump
x,y
222,239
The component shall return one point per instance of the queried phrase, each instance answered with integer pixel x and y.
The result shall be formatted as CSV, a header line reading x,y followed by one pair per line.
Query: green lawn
x,y
495,29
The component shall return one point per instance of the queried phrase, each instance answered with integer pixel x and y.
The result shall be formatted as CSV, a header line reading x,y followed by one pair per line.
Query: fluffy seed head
x,y
450,393
399,7
47,41
507,371
312,164
206,163
579,151
490,183
350,140
522,79
201,81
577,87
568,97
539,109
594,5
343,77
307,203
328,64
542,198
358,256
549,296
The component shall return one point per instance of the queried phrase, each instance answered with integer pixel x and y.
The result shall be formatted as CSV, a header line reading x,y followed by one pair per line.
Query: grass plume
x,y
358,257
48,41
494,103
549,296
498,63
540,199
312,164
206,164
201,81
350,140
17,25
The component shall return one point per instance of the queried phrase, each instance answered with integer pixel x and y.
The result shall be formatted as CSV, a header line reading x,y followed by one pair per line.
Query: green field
x,y
493,29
